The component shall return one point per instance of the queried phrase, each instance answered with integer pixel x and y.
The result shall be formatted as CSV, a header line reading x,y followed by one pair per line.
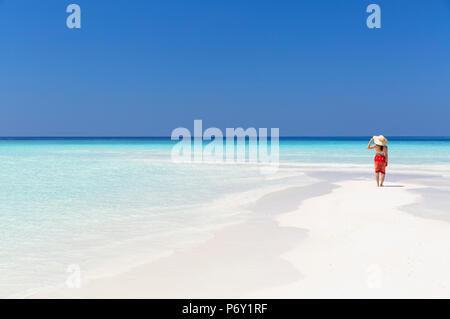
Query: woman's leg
x,y
377,175
382,179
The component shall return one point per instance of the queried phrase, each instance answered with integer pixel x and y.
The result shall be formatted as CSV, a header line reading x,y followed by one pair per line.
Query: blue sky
x,y
143,68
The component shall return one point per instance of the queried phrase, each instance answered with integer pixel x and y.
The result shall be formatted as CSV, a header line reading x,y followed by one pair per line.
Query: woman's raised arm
x,y
368,145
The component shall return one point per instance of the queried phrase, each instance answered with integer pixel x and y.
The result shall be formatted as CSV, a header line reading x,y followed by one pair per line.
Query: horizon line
x,y
169,137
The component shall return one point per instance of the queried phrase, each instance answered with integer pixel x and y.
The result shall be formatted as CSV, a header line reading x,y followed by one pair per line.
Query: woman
x,y
381,157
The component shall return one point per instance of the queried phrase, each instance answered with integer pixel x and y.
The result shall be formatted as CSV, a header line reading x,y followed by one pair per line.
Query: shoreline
x,y
239,202
260,257
252,232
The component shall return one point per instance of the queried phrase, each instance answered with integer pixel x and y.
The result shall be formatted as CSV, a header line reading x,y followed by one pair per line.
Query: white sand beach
x,y
341,237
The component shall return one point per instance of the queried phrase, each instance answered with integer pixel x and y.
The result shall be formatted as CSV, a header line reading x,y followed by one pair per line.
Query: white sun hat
x,y
380,140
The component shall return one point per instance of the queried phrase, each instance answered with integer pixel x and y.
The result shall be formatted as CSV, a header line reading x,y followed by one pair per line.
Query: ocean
x,y
105,204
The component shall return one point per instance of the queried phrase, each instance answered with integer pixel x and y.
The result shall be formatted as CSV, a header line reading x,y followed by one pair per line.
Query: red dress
x,y
380,164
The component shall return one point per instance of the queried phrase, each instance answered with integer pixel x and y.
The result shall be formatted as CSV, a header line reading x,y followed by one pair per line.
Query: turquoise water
x,y
100,202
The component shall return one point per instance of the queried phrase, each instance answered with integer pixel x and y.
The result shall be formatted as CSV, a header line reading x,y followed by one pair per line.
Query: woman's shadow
x,y
393,186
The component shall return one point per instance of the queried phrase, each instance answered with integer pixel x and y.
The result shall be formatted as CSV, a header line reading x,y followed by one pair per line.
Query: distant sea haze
x,y
408,150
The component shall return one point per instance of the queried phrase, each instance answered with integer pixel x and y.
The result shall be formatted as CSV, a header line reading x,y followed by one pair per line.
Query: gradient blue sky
x,y
142,68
